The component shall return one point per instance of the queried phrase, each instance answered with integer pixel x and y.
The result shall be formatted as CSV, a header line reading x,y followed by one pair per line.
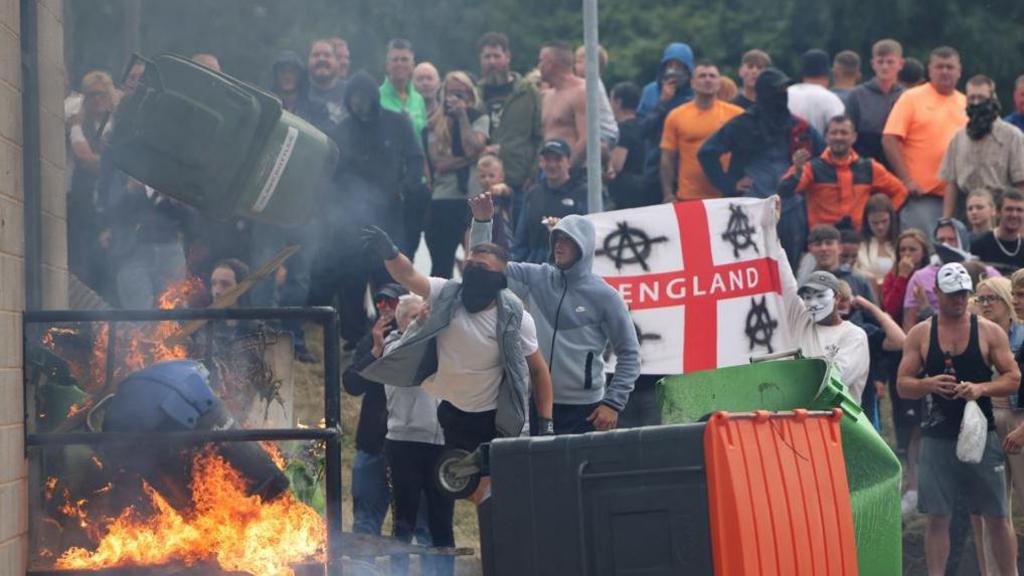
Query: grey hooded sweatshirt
x,y
577,315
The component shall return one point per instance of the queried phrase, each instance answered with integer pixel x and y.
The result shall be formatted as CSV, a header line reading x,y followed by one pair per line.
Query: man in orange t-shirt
x,y
919,129
686,129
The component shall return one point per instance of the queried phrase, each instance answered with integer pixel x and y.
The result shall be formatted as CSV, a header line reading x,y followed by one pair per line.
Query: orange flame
x,y
275,454
239,532
51,486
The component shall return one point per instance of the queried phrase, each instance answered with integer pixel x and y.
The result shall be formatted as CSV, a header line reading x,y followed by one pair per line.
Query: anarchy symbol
x,y
739,232
642,336
760,325
635,240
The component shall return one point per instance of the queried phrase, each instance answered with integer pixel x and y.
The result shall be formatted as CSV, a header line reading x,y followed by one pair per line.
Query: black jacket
x,y
531,236
380,162
373,415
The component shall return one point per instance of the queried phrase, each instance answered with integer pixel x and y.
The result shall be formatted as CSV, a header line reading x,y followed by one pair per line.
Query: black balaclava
x,y
480,287
365,85
981,117
772,106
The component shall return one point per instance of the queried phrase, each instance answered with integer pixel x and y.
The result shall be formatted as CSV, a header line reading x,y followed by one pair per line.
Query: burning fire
x,y
144,344
239,532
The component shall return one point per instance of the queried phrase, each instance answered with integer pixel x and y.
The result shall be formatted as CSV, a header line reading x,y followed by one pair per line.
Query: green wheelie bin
x,y
219,144
873,471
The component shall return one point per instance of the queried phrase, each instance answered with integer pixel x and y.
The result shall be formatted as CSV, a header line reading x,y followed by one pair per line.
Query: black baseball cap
x,y
556,146
389,291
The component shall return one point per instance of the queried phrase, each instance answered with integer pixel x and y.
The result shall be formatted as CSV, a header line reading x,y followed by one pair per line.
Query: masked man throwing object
x,y
477,351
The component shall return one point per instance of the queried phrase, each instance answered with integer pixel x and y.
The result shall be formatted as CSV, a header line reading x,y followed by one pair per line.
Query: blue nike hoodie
x,y
577,315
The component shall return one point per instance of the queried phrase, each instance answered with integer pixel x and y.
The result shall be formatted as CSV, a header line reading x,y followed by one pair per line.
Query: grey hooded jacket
x,y
577,315
414,359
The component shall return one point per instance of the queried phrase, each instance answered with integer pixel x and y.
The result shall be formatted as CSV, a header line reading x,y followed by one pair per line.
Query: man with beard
x,y
578,316
324,82
988,153
513,105
380,163
477,351
1002,247
762,141
917,132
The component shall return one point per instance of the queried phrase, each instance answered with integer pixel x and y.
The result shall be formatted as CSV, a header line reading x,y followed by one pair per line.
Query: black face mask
x,y
480,287
981,117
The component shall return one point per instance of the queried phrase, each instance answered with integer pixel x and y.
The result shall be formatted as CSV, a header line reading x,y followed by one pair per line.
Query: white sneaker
x,y
908,504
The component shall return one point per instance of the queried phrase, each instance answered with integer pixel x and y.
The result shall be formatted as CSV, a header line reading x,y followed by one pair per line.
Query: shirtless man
x,y
564,108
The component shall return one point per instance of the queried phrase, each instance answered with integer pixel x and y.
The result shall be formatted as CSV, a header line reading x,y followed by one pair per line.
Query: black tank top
x,y
942,416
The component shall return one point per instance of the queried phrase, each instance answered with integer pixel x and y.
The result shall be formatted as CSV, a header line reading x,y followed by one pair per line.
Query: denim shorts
x,y
943,478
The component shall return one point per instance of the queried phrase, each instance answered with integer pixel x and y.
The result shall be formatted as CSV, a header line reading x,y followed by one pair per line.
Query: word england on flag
x,y
700,279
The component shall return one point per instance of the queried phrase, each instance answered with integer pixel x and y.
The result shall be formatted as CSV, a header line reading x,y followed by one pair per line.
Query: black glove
x,y
378,241
545,427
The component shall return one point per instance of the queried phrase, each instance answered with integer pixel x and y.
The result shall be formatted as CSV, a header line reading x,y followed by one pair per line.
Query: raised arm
x,y
399,267
894,336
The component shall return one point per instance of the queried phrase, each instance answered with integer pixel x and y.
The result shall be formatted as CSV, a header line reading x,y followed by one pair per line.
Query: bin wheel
x,y
457,473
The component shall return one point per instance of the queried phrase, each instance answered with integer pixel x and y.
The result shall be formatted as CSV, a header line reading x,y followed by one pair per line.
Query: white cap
x,y
953,278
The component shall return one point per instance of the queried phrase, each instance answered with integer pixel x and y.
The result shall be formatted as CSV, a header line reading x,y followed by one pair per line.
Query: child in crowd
x,y
491,173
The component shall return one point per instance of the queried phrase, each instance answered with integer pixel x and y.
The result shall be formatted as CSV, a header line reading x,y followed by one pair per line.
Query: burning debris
x,y
241,532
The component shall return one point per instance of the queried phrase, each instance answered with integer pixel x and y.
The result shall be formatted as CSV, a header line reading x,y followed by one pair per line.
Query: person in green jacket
x,y
397,93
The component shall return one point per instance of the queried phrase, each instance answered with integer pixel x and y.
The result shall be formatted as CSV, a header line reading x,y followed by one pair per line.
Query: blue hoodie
x,y
651,113
577,315
652,91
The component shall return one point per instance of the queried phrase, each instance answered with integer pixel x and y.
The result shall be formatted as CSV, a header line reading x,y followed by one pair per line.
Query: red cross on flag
x,y
700,278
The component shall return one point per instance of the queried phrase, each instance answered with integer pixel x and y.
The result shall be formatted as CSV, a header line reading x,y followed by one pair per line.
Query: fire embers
x,y
223,524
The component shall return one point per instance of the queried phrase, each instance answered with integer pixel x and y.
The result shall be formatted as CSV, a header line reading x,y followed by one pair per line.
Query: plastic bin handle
x,y
796,353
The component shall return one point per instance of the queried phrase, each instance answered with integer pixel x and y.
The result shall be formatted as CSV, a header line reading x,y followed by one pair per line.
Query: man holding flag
x,y
578,315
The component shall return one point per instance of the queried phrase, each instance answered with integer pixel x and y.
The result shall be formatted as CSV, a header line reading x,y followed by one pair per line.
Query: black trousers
x,y
412,474
446,227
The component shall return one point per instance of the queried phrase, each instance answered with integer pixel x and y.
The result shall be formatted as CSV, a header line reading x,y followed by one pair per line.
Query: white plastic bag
x,y
970,444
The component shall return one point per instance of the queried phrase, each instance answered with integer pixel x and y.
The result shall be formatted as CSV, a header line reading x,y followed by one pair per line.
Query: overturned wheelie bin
x,y
872,470
219,144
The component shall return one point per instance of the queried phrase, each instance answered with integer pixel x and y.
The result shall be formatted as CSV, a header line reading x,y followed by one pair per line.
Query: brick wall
x,y
13,493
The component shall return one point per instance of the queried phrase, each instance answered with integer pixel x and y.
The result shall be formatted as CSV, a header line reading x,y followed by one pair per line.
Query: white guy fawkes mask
x,y
819,303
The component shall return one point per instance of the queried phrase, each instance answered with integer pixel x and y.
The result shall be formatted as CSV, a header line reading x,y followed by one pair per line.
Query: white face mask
x,y
819,303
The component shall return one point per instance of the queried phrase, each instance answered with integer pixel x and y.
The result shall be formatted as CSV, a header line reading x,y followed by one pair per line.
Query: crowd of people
x,y
900,214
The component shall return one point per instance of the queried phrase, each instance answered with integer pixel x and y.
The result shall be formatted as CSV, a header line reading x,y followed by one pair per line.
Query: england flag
x,y
701,279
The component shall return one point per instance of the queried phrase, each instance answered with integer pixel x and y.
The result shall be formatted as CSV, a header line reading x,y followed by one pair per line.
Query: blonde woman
x,y
994,301
456,136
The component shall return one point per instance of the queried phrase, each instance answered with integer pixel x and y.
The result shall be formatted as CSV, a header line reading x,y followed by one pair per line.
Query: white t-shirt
x,y
815,104
469,369
846,344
